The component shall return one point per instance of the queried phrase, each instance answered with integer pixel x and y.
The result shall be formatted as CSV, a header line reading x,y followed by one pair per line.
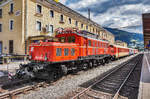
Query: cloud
x,y
114,13
85,3
63,1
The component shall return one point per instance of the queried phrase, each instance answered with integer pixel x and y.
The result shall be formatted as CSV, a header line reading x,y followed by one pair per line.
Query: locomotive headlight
x,y
30,57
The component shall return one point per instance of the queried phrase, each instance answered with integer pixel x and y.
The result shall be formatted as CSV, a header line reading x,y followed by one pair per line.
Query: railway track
x,y
29,86
111,83
23,90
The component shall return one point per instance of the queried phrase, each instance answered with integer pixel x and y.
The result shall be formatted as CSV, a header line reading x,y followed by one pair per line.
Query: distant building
x,y
20,20
121,43
146,29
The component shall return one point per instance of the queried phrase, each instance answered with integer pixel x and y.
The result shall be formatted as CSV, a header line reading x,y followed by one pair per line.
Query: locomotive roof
x,y
88,35
54,43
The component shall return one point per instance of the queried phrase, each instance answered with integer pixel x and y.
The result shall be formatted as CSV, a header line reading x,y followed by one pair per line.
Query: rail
x,y
11,94
78,95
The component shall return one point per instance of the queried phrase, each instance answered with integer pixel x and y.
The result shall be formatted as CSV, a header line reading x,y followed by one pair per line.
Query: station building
x,y
23,21
146,29
121,43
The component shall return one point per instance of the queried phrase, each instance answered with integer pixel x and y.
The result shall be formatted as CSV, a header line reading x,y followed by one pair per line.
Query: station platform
x,y
144,89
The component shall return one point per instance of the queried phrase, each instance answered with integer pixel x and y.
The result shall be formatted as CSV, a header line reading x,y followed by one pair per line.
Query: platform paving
x,y
144,90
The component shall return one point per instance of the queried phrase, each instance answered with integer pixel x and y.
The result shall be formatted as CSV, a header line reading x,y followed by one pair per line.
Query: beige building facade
x,y
121,43
21,19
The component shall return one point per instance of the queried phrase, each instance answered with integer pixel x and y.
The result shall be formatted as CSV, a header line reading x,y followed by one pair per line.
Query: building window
x,y
69,20
11,25
1,47
51,13
38,25
72,52
11,46
66,51
0,27
51,29
0,13
81,25
39,9
11,7
76,23
93,30
61,18
58,52
87,27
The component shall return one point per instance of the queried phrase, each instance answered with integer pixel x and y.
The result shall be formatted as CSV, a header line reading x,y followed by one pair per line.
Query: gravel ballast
x,y
70,82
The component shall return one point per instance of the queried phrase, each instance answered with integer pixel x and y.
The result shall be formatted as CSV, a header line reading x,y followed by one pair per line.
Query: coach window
x,y
97,44
93,43
89,43
72,52
93,50
102,45
66,51
58,52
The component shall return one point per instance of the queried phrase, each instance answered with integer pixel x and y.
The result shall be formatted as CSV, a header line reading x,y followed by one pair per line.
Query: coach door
x,y
1,47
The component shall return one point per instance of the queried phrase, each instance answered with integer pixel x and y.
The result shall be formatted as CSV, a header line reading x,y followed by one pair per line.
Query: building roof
x,y
4,2
76,13
69,10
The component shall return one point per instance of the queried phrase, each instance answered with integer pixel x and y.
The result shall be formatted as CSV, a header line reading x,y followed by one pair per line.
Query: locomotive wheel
x,y
90,65
106,60
85,66
64,69
103,62
53,76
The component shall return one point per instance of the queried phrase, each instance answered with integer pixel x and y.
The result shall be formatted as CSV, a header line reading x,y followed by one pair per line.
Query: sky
x,y
121,14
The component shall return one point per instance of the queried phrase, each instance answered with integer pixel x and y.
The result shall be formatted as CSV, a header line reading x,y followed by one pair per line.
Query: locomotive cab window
x,y
71,39
66,51
72,52
58,52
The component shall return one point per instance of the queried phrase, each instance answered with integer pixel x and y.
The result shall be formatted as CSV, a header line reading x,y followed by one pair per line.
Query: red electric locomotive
x,y
72,50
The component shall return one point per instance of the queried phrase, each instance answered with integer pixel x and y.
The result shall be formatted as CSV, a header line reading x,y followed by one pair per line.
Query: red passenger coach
x,y
120,51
